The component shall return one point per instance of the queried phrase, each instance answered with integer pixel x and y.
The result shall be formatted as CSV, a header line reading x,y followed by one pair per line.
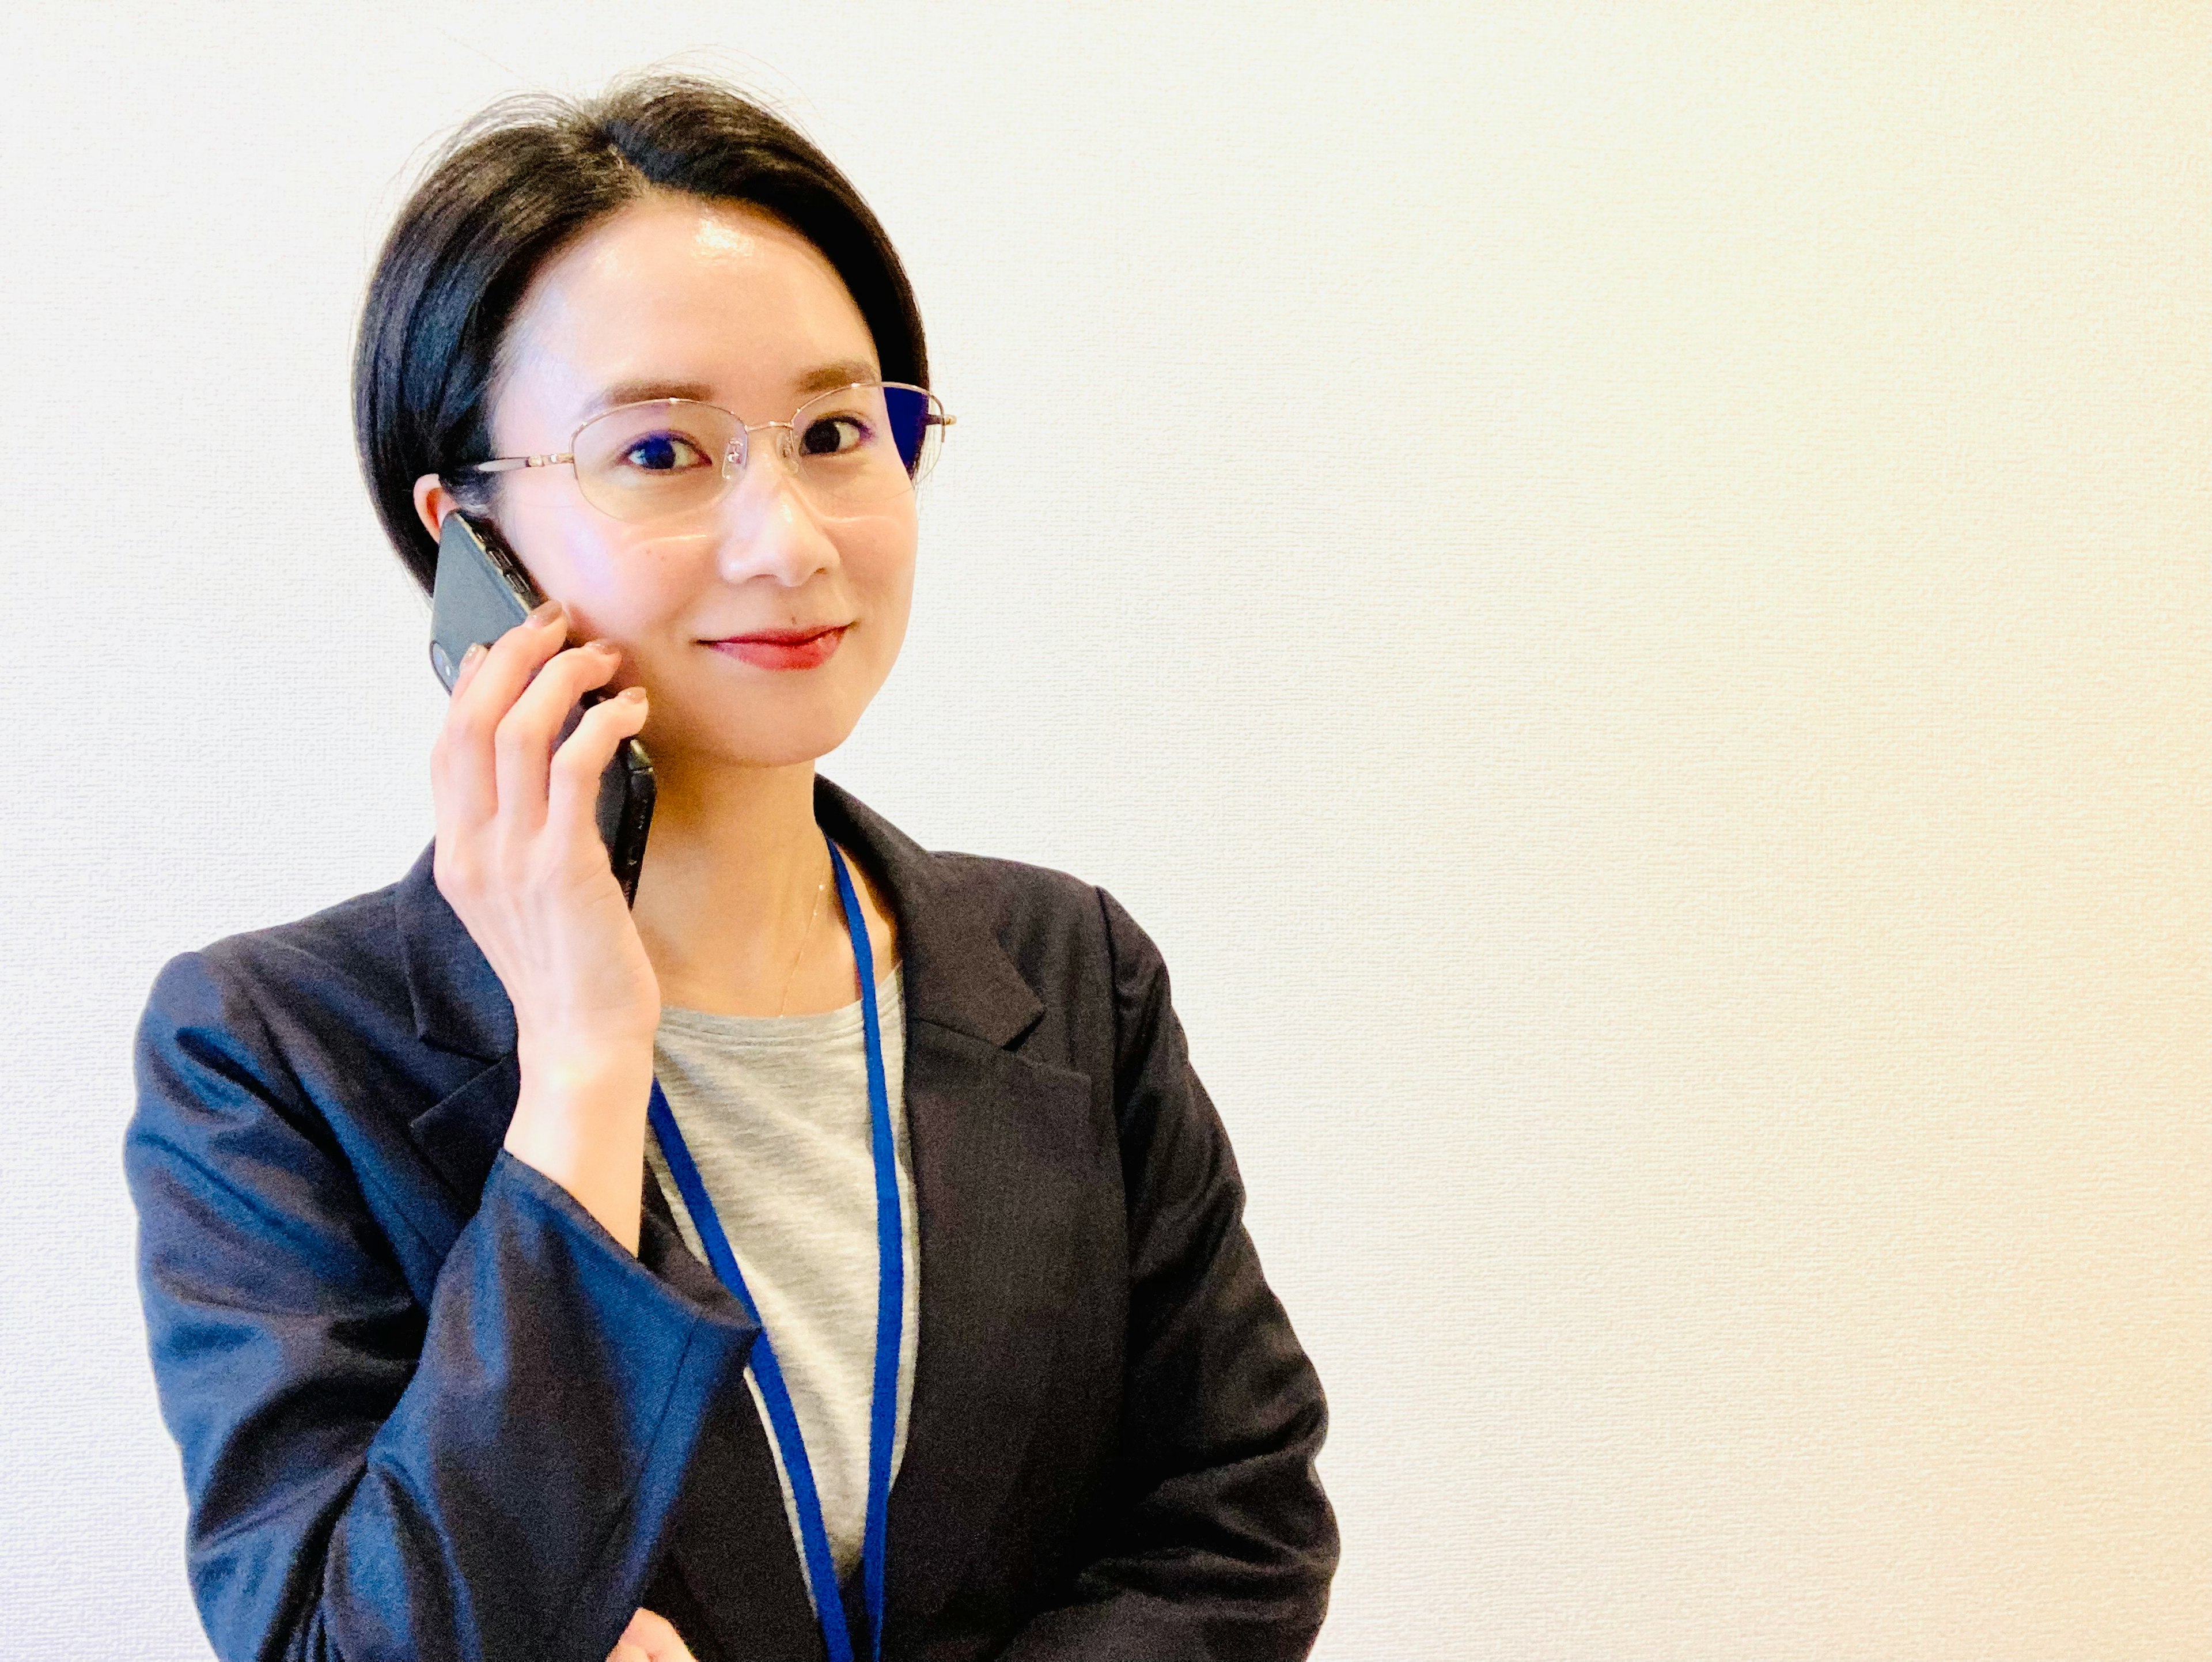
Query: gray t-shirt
x,y
775,1111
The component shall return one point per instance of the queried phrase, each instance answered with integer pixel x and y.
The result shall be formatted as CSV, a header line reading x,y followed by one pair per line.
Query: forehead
x,y
673,290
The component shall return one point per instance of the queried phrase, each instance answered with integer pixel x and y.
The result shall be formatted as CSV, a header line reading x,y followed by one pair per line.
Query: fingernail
x,y
546,613
475,650
634,695
604,645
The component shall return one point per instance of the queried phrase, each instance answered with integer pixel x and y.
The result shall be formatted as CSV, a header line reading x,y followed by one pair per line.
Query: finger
x,y
463,779
572,792
460,797
658,1637
626,1652
550,700
470,660
523,748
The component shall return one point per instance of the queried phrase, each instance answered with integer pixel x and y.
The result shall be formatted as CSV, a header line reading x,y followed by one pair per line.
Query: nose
x,y
769,529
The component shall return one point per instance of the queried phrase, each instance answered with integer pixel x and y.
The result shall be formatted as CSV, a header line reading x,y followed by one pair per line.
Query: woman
x,y
527,1275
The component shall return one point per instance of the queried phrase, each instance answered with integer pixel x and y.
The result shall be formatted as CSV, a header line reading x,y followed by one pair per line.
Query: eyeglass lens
x,y
850,448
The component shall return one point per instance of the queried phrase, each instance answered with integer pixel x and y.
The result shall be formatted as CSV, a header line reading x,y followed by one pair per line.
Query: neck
x,y
732,868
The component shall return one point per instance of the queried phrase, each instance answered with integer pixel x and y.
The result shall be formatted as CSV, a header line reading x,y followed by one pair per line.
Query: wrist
x,y
560,1066
580,1119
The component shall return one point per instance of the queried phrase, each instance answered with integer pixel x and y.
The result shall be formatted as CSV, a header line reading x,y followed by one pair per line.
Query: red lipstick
x,y
784,648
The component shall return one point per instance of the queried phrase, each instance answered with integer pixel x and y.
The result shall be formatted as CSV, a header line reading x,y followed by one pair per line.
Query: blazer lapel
x,y
999,1147
1000,1144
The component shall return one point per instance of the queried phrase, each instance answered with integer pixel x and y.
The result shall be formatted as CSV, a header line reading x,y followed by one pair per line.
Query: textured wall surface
x,y
1625,589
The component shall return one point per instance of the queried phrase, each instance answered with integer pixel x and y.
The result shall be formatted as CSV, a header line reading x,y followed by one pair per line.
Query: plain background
x,y
1625,590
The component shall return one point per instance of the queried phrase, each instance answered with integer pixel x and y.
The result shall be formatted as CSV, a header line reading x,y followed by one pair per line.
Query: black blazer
x,y
428,1409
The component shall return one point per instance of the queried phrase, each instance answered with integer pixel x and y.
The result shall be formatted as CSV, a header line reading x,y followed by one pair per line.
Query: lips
x,y
783,649
779,636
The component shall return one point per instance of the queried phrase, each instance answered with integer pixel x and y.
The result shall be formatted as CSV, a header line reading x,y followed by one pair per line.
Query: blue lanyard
x,y
890,1294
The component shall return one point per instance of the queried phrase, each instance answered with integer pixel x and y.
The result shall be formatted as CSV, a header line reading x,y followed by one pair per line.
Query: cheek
x,y
878,557
615,581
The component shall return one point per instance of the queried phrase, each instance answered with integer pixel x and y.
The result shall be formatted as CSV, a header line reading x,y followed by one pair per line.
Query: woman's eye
x,y
834,435
664,452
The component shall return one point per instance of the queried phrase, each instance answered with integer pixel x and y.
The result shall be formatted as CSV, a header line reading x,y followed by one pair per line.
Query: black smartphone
x,y
481,592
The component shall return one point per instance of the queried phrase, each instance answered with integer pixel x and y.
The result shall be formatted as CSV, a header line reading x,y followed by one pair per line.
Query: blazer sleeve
x,y
486,1478
1223,1544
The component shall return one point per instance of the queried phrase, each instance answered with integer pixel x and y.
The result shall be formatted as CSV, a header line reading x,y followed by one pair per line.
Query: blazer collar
x,y
956,974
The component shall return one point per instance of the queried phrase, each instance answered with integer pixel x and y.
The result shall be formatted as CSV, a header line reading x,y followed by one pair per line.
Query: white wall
x,y
1625,589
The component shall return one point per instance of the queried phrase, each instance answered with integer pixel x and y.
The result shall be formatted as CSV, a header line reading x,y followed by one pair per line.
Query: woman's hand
x,y
518,853
520,861
649,1639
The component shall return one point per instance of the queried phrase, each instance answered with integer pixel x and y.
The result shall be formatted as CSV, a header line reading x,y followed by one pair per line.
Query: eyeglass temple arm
x,y
508,463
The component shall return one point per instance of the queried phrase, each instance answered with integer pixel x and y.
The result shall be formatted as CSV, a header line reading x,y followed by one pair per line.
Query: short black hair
x,y
518,183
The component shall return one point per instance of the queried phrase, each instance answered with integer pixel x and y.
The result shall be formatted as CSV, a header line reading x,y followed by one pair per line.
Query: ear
x,y
433,502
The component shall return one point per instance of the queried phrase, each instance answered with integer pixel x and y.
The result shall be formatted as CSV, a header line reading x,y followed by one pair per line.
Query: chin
x,y
784,746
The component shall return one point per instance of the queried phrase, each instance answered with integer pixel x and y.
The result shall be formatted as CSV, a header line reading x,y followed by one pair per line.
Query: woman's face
x,y
674,296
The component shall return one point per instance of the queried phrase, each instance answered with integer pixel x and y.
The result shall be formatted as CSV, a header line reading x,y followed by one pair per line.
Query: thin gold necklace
x,y
803,939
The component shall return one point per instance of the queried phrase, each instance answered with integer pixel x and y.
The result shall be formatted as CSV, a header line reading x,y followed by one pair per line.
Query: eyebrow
x,y
820,378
